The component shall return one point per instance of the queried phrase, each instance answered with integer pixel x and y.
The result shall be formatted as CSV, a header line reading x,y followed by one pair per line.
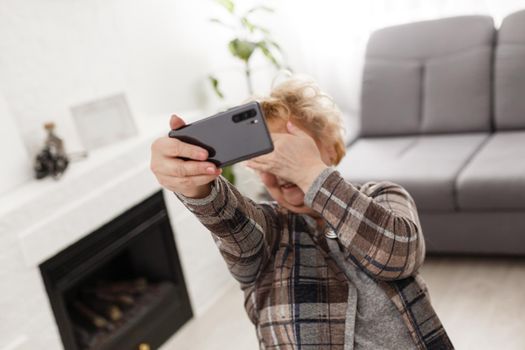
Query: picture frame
x,y
104,121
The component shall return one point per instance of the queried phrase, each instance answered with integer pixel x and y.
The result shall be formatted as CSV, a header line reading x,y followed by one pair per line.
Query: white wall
x,y
58,53
15,164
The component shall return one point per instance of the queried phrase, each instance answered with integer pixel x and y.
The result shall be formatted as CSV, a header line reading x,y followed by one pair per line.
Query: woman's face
x,y
285,193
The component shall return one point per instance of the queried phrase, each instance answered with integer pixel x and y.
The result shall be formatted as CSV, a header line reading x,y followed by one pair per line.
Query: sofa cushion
x,y
495,177
425,165
428,77
385,85
457,92
422,40
509,73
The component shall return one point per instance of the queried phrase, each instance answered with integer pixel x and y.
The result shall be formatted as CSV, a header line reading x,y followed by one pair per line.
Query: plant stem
x,y
248,74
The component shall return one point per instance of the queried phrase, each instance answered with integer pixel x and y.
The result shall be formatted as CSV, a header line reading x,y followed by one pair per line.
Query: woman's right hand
x,y
190,178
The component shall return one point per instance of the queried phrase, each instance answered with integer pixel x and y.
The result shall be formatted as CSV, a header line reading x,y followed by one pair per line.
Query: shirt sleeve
x,y
377,223
244,231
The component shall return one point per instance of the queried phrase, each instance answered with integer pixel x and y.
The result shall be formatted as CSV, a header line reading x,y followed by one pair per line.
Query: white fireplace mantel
x,y
41,218
48,215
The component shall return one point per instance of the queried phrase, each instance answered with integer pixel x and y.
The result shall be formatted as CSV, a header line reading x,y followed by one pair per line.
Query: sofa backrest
x,y
509,73
428,77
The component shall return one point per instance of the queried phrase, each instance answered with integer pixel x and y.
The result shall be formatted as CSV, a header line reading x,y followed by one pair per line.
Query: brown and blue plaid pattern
x,y
295,293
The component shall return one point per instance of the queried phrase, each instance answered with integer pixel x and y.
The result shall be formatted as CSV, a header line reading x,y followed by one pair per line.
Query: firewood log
x,y
91,316
108,309
120,299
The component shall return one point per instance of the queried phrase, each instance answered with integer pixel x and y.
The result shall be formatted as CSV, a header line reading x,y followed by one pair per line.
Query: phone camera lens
x,y
244,115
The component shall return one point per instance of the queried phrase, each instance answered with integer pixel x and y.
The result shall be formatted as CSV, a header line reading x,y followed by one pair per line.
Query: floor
x,y
481,302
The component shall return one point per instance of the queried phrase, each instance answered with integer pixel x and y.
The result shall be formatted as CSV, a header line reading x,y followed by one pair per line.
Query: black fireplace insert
x,y
122,286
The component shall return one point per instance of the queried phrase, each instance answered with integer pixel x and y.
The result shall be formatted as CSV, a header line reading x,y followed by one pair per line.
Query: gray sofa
x,y
443,114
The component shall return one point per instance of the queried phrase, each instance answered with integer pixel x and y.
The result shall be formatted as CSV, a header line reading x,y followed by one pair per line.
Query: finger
x,y
251,163
268,179
259,166
176,122
266,158
173,147
181,168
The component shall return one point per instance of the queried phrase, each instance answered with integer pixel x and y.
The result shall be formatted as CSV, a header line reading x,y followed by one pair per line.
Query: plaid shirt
x,y
295,293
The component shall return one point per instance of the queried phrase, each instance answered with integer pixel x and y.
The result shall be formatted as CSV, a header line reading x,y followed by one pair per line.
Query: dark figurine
x,y
52,160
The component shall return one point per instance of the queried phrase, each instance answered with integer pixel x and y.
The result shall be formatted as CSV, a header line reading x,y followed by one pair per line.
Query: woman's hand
x,y
296,158
190,178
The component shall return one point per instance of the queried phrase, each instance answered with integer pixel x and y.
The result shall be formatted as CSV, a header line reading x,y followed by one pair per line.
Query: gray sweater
x,y
372,320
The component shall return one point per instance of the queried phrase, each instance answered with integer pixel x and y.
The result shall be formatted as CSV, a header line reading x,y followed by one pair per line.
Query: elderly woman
x,y
329,264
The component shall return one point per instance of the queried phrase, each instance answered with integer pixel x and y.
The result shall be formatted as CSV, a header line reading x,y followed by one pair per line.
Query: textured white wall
x,y
58,53
16,168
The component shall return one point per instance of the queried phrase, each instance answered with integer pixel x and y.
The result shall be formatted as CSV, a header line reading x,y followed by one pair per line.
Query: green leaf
x,y
215,85
242,49
218,21
262,29
227,4
260,8
253,27
228,174
268,54
247,24
274,44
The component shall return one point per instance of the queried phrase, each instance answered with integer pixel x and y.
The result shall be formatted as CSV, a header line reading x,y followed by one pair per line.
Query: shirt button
x,y
330,234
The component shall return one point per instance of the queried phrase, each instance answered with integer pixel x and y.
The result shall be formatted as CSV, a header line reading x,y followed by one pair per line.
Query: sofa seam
x,y
477,150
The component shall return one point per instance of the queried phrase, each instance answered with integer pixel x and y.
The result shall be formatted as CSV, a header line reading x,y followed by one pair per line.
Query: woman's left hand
x,y
296,158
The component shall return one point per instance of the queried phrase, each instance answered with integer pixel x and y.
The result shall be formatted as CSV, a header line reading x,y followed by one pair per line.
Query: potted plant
x,y
248,38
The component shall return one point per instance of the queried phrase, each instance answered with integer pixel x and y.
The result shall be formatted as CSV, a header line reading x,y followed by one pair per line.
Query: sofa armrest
x,y
352,125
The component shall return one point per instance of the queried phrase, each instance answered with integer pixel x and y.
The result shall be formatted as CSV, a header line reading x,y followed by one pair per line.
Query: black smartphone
x,y
231,136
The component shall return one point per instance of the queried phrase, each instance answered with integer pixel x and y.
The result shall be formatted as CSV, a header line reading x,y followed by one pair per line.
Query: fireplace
x,y
120,287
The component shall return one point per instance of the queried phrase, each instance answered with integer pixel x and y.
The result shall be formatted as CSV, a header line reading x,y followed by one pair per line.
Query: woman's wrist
x,y
198,192
310,175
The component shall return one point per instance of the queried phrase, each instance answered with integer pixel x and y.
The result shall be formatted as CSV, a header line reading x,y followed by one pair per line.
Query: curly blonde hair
x,y
302,101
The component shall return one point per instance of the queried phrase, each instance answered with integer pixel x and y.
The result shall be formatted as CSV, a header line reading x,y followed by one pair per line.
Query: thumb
x,y
176,122
294,130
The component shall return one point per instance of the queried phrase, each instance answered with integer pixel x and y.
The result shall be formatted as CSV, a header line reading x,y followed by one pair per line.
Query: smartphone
x,y
231,136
